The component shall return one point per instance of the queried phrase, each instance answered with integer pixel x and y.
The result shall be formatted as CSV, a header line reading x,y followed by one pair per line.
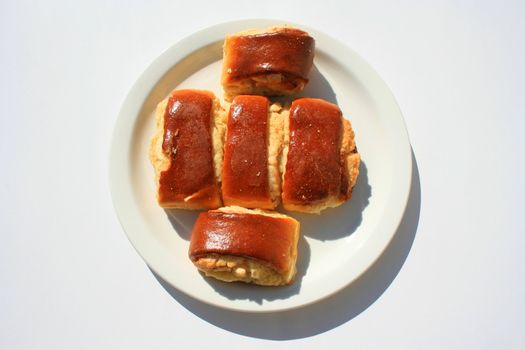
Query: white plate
x,y
337,246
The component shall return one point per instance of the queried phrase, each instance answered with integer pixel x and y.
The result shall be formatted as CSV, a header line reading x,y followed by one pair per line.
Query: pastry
x,y
250,173
275,61
252,246
186,151
320,160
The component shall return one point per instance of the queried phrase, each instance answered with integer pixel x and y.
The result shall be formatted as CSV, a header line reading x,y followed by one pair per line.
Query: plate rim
x,y
140,91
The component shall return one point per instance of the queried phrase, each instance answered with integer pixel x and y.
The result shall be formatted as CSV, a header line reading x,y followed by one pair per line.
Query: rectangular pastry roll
x,y
320,160
186,150
250,173
275,61
252,246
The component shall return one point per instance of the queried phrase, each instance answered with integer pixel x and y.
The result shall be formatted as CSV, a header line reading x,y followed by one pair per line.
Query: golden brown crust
x,y
275,148
351,158
158,159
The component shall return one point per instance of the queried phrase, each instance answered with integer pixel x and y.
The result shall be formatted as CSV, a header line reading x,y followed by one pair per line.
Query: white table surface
x,y
452,278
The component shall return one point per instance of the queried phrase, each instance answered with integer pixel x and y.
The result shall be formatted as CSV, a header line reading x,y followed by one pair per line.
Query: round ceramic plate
x,y
335,247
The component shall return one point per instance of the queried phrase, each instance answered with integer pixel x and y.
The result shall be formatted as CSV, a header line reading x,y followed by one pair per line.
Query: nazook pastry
x,y
320,162
252,246
187,150
274,61
250,172
304,156
254,154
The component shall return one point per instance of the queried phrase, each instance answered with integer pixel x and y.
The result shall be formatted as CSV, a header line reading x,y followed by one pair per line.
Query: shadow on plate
x,y
318,86
182,221
330,312
339,222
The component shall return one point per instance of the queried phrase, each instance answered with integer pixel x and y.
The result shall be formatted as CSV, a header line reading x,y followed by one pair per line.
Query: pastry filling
x,y
231,268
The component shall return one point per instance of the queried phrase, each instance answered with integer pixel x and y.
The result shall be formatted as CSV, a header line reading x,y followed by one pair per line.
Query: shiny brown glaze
x,y
190,178
345,191
265,238
245,167
313,167
287,51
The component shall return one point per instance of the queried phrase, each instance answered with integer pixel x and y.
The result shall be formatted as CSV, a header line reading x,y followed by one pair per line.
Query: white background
x,y
454,275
